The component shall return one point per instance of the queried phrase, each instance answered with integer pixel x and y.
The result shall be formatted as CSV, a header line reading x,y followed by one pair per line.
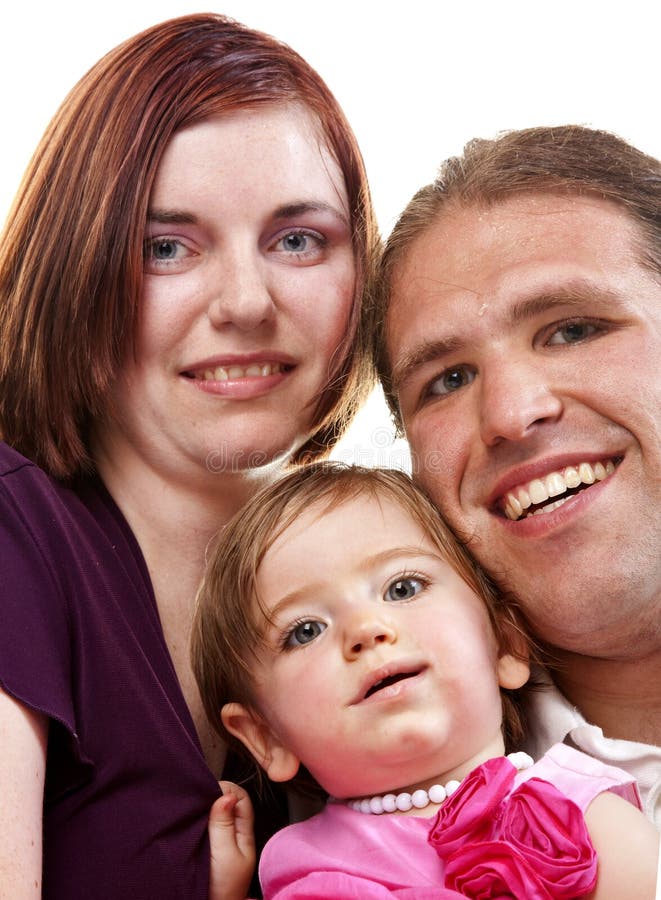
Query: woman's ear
x,y
264,745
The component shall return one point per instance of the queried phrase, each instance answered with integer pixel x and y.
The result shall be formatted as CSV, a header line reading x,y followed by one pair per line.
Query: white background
x,y
417,79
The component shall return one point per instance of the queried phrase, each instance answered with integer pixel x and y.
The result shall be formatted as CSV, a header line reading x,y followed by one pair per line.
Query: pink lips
x,y
385,677
242,360
241,377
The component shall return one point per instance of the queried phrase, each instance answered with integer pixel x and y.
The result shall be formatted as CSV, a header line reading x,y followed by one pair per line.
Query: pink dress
x,y
502,834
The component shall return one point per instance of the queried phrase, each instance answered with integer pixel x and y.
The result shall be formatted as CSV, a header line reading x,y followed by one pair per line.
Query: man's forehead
x,y
513,250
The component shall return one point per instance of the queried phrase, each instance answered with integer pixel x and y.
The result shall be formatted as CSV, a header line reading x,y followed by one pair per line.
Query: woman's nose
x,y
241,296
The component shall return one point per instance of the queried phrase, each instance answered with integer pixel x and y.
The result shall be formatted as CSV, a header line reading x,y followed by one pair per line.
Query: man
x,y
521,352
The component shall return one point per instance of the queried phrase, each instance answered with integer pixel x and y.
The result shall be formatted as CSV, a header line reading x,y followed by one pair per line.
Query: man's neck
x,y
622,697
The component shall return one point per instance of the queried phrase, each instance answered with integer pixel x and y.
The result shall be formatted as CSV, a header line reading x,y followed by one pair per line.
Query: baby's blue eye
x,y
304,633
403,589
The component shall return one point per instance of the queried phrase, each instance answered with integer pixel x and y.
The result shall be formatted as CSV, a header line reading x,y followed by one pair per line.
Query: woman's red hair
x,y
71,261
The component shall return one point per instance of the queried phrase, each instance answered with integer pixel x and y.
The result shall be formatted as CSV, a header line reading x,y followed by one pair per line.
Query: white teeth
x,y
553,485
537,491
549,508
255,370
586,473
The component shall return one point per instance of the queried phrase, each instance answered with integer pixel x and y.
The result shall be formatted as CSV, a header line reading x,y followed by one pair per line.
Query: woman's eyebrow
x,y
289,210
171,216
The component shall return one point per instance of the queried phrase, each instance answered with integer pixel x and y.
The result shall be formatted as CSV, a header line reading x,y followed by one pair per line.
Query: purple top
x,y
127,791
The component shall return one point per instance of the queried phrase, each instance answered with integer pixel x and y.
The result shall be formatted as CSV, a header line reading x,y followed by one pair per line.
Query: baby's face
x,y
380,668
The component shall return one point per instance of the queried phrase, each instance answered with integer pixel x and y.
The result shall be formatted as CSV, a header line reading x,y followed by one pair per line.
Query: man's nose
x,y
516,397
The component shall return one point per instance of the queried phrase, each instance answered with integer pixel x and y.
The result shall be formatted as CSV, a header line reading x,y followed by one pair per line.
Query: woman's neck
x,y
173,522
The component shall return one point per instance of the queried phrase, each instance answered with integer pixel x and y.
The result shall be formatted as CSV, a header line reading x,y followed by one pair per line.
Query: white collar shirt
x,y
552,719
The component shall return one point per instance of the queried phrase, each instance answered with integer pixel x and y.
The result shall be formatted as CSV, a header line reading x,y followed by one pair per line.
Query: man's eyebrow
x,y
575,294
425,352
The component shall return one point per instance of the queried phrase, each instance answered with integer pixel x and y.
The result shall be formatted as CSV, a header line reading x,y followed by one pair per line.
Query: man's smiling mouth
x,y
543,495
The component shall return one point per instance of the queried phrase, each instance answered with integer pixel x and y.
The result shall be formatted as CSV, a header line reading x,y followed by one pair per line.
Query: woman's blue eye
x,y
304,633
403,589
295,242
299,242
164,250
451,380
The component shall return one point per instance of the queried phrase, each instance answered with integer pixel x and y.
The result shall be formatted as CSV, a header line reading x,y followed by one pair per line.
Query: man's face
x,y
525,342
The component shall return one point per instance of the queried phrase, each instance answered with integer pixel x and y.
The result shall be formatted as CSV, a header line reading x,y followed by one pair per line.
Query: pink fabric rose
x,y
469,814
532,844
549,829
493,870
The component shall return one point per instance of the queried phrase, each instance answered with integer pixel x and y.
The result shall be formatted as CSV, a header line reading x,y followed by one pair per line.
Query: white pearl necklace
x,y
437,793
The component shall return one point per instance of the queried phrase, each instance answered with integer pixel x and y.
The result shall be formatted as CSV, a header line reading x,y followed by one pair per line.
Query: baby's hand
x,y
232,844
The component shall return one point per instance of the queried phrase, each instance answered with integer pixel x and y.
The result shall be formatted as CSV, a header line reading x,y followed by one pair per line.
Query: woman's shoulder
x,y
11,461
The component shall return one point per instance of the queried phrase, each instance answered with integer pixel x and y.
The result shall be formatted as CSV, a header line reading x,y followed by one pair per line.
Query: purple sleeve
x,y
34,633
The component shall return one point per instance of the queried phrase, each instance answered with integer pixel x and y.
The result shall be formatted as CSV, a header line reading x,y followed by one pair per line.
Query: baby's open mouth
x,y
391,679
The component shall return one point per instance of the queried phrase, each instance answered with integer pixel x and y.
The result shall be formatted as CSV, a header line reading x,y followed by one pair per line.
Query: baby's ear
x,y
264,745
513,671
513,667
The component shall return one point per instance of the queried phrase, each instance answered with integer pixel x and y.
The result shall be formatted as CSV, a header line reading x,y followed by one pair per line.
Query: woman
x,y
179,303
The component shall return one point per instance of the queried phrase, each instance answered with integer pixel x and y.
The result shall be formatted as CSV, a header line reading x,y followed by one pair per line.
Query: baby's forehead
x,y
345,520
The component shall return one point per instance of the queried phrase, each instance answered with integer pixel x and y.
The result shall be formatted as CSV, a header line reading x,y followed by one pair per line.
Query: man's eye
x,y
573,333
450,381
404,589
303,633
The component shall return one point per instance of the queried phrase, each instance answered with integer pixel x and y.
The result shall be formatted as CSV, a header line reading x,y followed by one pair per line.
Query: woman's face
x,y
249,282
